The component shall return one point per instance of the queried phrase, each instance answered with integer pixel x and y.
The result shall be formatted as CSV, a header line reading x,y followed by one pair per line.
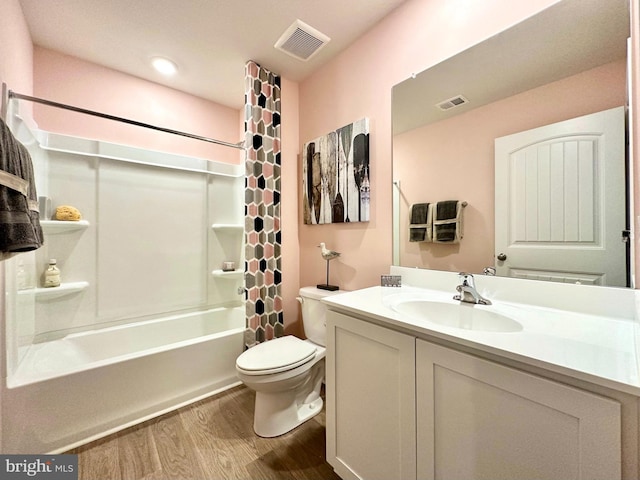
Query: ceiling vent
x,y
301,41
452,102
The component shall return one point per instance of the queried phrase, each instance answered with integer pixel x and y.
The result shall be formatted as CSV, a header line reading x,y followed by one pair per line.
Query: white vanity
x,y
541,384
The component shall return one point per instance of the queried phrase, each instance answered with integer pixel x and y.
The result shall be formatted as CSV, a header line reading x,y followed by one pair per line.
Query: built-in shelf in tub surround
x,y
62,226
232,274
55,292
227,226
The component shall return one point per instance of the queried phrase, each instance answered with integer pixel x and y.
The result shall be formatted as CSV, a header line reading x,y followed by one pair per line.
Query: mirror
x,y
565,62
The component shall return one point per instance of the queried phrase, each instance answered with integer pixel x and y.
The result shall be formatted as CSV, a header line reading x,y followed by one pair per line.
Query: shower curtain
x,y
263,275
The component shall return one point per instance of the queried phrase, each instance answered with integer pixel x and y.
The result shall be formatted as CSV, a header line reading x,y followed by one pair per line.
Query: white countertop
x,y
594,348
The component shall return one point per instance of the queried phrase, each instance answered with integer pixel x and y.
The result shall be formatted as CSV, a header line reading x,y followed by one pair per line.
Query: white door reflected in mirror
x,y
559,216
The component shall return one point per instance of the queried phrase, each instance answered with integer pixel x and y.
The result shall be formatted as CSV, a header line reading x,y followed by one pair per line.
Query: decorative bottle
x,y
52,274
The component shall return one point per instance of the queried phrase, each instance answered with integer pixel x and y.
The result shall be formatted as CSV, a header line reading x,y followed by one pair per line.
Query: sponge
x,y
67,212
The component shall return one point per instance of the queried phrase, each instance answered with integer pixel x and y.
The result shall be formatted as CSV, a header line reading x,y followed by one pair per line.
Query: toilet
x,y
287,373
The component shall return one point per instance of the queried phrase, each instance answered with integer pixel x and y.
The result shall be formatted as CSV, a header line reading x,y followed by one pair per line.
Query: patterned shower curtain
x,y
263,275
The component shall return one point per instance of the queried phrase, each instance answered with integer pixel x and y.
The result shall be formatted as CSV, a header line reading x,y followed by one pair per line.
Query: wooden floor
x,y
210,439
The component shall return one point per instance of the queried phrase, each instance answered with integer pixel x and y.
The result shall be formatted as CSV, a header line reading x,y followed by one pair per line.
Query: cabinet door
x,y
370,392
480,420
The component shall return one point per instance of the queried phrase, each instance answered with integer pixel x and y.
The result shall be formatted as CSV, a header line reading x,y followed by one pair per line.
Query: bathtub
x,y
87,385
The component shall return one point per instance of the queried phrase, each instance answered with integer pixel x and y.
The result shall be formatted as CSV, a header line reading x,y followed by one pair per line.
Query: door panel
x,y
481,420
560,201
371,416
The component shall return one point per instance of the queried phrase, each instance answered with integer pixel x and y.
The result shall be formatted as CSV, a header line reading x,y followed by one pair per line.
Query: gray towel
x,y
420,224
20,229
419,213
417,234
447,222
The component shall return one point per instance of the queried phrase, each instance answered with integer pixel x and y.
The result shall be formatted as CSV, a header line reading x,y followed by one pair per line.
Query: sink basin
x,y
458,315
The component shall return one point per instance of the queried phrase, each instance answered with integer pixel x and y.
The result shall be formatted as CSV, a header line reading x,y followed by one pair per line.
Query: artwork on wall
x,y
335,176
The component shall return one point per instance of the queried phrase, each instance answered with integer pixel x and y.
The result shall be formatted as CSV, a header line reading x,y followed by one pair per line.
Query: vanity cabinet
x,y
480,419
370,392
402,407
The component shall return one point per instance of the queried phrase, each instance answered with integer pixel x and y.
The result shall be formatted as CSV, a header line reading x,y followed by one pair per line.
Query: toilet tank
x,y
314,313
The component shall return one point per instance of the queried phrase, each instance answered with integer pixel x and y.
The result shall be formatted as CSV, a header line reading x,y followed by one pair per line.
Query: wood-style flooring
x,y
210,439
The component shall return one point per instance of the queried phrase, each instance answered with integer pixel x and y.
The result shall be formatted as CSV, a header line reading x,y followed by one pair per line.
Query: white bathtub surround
x,y
146,247
87,385
559,396
97,348
140,325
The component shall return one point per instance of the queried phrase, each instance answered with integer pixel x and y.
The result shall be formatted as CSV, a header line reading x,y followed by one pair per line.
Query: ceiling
x,y
210,40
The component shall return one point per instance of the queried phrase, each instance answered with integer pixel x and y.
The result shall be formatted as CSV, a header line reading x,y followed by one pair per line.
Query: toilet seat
x,y
274,356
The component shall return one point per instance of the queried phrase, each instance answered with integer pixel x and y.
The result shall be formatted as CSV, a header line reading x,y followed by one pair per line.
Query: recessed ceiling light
x,y
164,65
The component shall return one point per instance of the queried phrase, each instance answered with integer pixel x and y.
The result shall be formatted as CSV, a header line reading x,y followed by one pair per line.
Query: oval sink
x,y
458,315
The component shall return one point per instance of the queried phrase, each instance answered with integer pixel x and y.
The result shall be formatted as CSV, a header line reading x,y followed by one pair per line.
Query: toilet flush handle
x,y
300,299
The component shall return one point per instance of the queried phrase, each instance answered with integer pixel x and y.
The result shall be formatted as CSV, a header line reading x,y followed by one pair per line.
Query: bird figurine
x,y
328,255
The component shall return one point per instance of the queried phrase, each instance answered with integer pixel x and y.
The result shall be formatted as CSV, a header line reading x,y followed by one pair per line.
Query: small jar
x,y
52,274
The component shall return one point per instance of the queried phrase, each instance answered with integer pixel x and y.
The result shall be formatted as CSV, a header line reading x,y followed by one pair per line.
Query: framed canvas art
x,y
335,176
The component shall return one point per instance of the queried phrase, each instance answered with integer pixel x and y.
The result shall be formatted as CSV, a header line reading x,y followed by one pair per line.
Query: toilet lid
x,y
276,355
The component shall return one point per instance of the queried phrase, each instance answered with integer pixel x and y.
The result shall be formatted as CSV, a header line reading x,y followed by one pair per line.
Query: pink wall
x,y
72,81
358,84
16,50
452,169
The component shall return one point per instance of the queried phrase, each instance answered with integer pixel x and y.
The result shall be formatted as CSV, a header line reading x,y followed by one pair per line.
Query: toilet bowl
x,y
287,372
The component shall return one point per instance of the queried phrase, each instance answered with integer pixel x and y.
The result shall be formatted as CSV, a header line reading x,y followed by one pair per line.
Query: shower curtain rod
x,y
12,94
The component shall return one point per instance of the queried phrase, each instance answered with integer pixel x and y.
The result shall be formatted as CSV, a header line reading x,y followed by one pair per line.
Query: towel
x,y
420,223
447,221
20,229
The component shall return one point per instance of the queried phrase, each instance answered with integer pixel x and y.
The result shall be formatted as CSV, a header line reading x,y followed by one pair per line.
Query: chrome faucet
x,y
467,291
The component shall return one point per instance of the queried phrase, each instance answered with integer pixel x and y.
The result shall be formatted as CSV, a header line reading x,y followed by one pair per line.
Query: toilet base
x,y
272,419
279,412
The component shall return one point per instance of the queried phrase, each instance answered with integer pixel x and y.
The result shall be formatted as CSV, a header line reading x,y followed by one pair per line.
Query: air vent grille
x,y
452,102
301,41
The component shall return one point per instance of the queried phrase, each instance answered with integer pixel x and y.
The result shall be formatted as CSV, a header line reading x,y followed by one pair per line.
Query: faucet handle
x,y
466,279
490,270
